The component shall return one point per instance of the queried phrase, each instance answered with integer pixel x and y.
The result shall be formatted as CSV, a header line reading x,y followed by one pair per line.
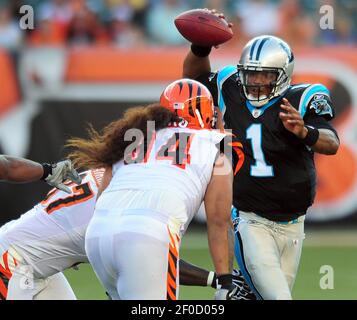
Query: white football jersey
x,y
50,236
178,160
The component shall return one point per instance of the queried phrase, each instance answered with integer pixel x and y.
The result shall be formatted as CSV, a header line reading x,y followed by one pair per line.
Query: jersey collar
x,y
257,112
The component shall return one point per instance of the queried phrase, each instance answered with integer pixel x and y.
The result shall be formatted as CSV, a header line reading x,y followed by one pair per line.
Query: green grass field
x,y
333,248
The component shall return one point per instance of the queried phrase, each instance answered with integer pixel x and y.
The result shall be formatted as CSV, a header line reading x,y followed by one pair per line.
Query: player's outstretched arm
x,y
20,170
14,169
218,202
327,142
191,275
57,173
322,141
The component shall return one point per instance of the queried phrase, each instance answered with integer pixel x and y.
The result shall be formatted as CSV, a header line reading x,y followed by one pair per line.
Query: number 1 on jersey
x,y
260,169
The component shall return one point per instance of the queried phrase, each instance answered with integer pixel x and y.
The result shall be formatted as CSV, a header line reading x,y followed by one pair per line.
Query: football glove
x,y
226,290
243,290
55,174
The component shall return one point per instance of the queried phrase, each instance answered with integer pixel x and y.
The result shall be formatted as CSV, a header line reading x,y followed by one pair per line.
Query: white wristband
x,y
210,278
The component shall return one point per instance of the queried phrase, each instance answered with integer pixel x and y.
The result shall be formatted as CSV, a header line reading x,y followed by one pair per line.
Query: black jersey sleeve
x,y
319,122
316,101
319,108
215,82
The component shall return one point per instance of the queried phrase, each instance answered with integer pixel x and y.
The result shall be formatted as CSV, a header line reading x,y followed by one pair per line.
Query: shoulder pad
x,y
225,73
222,76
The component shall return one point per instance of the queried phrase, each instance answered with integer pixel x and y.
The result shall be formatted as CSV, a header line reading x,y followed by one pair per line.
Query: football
x,y
203,28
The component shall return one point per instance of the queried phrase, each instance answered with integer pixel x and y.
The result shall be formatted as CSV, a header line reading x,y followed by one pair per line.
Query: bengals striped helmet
x,y
191,101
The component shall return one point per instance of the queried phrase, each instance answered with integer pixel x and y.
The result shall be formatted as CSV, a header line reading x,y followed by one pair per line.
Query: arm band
x,y
200,51
211,277
311,137
224,280
47,170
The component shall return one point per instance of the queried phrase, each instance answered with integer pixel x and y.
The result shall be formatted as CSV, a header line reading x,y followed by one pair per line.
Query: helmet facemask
x,y
261,84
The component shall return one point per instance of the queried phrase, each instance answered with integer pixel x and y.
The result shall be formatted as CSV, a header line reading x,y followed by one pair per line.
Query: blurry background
x,y
87,61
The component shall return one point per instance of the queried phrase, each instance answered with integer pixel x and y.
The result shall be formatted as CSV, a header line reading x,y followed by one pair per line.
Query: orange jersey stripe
x,y
97,174
170,294
173,250
172,244
172,265
5,271
3,290
171,268
171,282
84,190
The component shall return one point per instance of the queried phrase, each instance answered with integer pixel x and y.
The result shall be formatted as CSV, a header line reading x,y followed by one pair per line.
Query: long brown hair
x,y
106,148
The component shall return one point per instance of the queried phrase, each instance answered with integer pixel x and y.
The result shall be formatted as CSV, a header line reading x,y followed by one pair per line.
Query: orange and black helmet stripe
x,y
196,100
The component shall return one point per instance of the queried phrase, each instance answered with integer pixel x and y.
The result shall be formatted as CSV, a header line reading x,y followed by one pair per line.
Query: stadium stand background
x,y
87,61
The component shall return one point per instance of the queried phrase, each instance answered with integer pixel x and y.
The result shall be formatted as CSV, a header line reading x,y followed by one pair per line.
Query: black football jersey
x,y
277,179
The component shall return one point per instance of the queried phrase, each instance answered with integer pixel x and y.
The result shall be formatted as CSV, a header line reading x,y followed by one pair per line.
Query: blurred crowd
x,y
137,23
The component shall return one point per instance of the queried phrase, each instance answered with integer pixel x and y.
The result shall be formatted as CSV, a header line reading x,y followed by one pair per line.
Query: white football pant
x,y
134,252
268,254
23,285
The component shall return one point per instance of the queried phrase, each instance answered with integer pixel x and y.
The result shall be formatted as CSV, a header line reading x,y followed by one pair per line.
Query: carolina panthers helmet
x,y
266,53
191,101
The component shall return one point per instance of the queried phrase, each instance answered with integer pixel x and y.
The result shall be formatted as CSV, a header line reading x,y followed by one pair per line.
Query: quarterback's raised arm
x,y
197,60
